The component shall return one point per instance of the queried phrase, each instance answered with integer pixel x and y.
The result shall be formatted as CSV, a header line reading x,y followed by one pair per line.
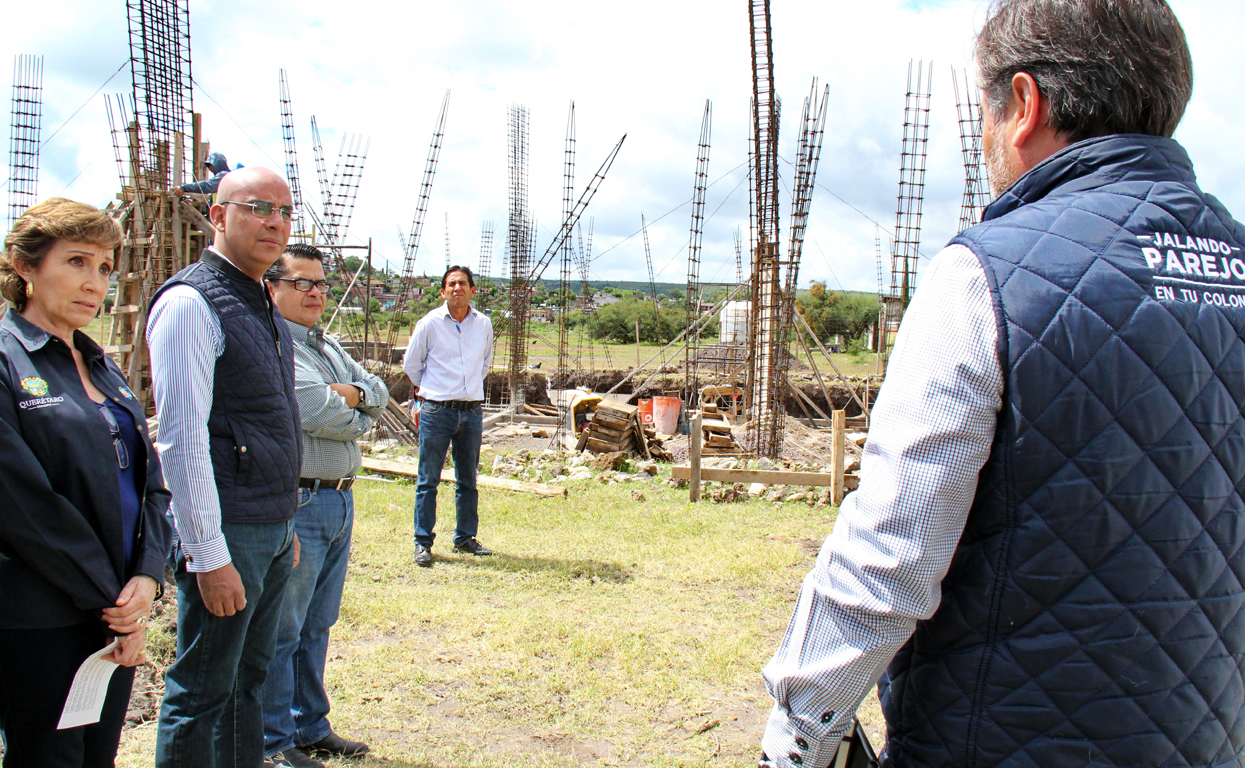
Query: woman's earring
x,y
29,291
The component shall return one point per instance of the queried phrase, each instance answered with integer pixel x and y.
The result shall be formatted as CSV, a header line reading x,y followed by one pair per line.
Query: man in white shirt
x,y
1046,555
450,353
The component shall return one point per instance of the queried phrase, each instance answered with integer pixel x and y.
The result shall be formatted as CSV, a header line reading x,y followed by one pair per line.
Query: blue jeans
x,y
211,715
440,427
296,707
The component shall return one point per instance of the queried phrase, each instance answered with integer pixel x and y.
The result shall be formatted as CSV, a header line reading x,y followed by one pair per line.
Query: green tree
x,y
831,313
617,322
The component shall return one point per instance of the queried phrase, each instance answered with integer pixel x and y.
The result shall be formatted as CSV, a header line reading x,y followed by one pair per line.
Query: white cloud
x,y
643,69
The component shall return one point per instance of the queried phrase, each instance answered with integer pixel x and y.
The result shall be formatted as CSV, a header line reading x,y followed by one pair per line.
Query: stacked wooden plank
x,y
612,428
540,410
616,427
717,437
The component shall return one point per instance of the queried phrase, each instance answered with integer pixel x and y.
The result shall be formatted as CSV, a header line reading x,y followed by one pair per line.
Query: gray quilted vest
x,y
1092,614
254,432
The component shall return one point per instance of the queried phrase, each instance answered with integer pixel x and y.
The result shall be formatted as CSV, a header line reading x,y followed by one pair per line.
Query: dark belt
x,y
333,485
458,405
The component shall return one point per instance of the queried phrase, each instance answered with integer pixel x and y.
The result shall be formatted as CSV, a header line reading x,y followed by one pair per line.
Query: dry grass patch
x,y
604,631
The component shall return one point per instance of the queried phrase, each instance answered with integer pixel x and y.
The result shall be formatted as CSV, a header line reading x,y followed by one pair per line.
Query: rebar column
x,y
486,250
767,331
519,250
906,246
27,112
425,193
585,298
976,185
343,191
567,252
449,260
291,153
692,300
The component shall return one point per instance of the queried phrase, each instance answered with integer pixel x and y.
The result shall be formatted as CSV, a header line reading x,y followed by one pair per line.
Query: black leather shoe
x,y
473,547
423,556
335,746
293,758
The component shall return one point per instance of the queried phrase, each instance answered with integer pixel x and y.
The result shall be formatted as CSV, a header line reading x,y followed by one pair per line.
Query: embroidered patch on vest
x,y
35,386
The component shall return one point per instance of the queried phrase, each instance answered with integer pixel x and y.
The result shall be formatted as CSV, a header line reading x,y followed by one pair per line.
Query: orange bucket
x,y
646,411
666,414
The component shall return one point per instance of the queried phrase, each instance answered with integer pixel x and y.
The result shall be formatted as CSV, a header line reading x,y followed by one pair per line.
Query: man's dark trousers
x,y
210,716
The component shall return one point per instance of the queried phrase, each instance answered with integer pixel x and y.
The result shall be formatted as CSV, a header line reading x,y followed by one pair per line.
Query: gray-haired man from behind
x,y
1046,554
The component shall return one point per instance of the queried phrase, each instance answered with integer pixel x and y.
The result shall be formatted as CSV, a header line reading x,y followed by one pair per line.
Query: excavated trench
x,y
536,384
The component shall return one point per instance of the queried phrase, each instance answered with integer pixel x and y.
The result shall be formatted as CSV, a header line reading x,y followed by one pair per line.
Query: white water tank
x,y
733,322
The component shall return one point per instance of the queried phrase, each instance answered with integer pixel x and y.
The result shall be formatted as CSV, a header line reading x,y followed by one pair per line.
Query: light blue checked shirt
x,y
330,427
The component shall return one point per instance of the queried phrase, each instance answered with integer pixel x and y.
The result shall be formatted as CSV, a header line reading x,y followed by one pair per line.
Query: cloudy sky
x,y
642,68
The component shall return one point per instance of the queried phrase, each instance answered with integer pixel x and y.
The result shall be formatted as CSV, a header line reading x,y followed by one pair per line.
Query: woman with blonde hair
x,y
83,533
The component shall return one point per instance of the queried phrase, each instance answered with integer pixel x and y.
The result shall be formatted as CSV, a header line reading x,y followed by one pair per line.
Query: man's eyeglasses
x,y
264,209
123,456
303,285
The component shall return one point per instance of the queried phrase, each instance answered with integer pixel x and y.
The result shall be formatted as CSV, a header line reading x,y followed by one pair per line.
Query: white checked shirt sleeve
x,y
881,568
184,338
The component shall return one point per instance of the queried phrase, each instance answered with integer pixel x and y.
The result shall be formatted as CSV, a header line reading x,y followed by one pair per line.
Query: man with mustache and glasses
x,y
338,403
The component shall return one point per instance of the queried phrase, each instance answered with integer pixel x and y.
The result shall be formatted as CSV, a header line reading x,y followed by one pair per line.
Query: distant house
x,y
601,299
372,289
542,314
388,300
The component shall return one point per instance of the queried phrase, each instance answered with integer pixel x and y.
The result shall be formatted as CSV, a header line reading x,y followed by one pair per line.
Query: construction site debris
x,y
610,461
716,431
615,427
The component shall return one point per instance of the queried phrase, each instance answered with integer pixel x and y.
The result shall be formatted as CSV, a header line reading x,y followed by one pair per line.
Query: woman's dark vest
x,y
254,432
1092,614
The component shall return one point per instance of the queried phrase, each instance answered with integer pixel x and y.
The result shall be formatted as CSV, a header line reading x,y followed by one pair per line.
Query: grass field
x,y
606,630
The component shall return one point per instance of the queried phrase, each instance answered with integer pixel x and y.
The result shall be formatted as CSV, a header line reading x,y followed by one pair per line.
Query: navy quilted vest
x,y
254,432
1092,614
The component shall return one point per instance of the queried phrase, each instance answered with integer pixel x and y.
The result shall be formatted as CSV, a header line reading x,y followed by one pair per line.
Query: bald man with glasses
x,y
230,440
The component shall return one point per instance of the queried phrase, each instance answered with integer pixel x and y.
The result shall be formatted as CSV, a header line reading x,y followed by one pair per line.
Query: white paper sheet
x,y
90,687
